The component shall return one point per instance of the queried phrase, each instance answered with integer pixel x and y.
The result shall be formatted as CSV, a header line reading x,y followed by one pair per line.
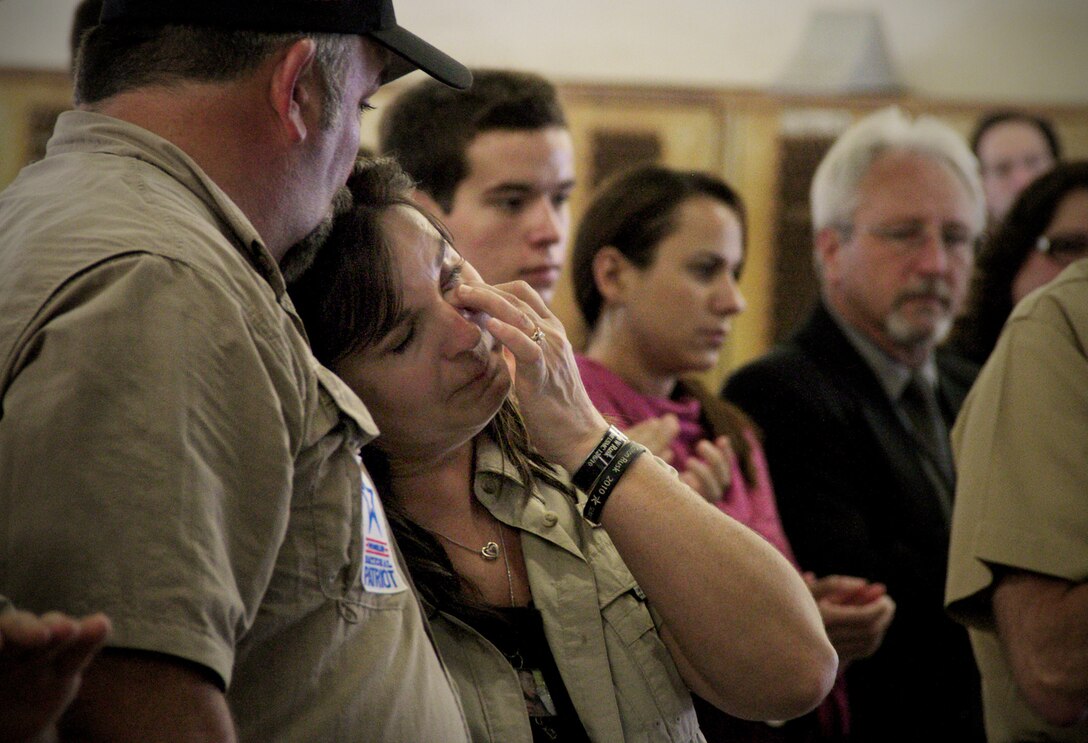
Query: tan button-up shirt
x,y
172,454
1023,475
600,629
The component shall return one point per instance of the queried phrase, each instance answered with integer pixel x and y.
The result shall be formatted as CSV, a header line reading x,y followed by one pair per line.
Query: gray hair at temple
x,y
835,187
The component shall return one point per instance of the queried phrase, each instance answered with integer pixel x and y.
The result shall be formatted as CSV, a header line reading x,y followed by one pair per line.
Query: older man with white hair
x,y
856,407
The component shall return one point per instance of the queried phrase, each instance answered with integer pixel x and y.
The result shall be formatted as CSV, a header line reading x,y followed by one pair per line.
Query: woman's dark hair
x,y
989,302
633,212
349,298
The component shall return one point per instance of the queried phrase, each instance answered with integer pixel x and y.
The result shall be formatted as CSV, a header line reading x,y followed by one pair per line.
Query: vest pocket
x,y
671,717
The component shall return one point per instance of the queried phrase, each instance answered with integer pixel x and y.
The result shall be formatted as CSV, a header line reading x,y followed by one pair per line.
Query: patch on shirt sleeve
x,y
381,574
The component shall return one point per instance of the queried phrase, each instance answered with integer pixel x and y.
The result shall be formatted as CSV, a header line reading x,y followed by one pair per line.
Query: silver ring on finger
x,y
537,336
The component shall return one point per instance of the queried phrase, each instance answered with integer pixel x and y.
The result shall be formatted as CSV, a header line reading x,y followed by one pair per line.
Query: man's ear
x,y
291,90
425,200
827,253
612,274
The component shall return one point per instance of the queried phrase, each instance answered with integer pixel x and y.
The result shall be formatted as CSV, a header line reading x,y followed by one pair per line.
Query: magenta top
x,y
752,505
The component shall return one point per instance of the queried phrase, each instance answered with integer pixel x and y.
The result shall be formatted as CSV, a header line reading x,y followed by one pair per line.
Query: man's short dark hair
x,y
84,19
429,127
990,120
115,58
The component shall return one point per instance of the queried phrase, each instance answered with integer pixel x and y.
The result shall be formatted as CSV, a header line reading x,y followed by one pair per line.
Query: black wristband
x,y
599,459
598,494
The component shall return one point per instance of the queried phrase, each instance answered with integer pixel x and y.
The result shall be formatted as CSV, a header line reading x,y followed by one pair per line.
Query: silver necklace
x,y
489,551
506,559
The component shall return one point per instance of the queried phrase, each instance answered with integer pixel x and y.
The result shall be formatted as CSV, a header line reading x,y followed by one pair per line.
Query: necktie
x,y
919,403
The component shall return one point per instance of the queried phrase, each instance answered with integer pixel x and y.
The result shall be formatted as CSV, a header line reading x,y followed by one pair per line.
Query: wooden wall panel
x,y
29,104
763,144
677,129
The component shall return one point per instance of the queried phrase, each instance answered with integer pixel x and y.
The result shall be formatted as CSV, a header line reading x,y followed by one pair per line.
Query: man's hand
x,y
41,667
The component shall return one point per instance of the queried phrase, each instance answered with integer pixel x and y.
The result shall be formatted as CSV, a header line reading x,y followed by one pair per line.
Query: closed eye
x,y
453,278
403,344
908,234
956,238
707,267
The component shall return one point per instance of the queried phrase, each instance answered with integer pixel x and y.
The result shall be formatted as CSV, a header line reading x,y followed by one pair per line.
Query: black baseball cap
x,y
371,18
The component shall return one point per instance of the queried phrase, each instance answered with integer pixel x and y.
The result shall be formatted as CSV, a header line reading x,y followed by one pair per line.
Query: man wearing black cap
x,y
170,452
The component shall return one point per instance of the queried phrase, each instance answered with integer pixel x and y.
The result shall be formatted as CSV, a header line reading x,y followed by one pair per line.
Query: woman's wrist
x,y
598,493
578,447
595,463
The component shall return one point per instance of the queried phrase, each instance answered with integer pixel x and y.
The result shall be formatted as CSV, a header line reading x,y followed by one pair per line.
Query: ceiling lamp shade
x,y
842,52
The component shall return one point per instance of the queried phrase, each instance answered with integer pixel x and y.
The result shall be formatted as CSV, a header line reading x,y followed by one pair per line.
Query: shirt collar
x,y
490,462
499,488
893,375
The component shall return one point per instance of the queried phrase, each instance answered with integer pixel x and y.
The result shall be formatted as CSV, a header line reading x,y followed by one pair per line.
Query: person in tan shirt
x,y
1019,552
170,452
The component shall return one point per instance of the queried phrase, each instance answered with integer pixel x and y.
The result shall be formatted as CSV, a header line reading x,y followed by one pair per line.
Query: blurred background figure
x,y
1013,149
1046,230
855,409
655,266
1017,574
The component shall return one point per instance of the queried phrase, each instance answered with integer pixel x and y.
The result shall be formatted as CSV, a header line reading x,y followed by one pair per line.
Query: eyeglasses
x,y
1063,249
908,238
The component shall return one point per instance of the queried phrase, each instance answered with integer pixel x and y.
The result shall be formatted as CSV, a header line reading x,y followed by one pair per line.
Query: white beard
x,y
905,334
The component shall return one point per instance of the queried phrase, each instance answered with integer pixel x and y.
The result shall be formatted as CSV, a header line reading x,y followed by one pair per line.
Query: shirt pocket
x,y
649,687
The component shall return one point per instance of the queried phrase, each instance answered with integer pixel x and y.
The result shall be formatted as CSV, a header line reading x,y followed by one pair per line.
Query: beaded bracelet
x,y
598,494
599,459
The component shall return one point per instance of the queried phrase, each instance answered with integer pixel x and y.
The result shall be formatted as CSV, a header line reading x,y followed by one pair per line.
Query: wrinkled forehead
x,y
910,180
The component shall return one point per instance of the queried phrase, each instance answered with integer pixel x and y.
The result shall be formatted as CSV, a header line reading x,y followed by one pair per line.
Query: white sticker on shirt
x,y
381,574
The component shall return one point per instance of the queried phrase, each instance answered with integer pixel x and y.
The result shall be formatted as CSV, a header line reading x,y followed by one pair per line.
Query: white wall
x,y
980,50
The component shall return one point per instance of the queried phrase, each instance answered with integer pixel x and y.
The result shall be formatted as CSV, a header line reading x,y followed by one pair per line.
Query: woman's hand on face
x,y
656,434
710,472
563,424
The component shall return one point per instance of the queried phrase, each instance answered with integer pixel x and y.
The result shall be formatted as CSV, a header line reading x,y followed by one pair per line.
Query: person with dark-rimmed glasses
x,y
1044,232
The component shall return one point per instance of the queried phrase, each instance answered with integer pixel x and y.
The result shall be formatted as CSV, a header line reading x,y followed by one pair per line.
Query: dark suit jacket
x,y
855,500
